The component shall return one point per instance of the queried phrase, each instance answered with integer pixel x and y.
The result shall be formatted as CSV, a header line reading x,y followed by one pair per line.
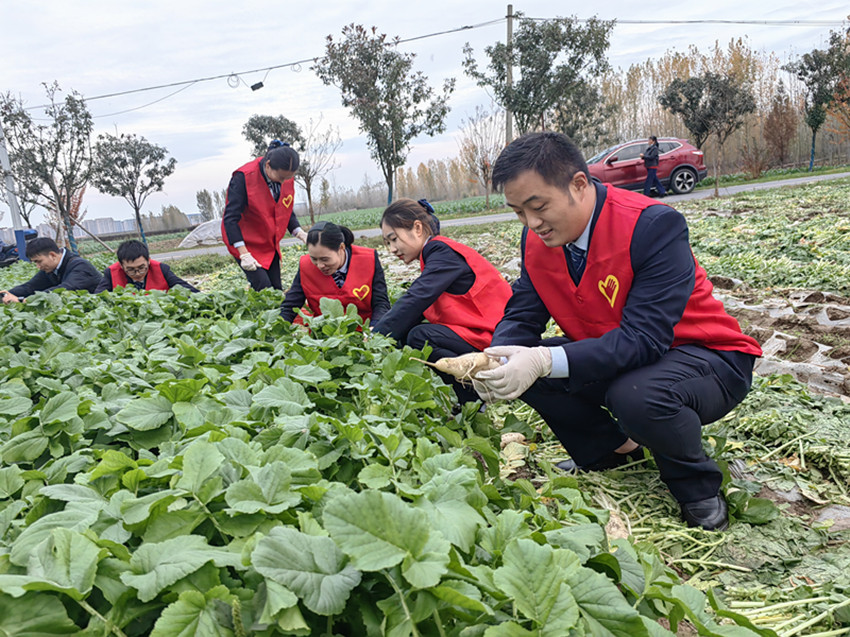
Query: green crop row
x,y
178,464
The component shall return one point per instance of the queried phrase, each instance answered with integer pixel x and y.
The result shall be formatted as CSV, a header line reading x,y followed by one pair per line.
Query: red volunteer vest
x,y
472,316
595,306
356,290
154,281
263,223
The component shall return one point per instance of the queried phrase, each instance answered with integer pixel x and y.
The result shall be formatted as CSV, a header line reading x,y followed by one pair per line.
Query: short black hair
x,y
654,138
41,245
553,156
132,250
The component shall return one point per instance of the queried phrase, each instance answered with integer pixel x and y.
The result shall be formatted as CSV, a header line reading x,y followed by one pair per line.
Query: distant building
x,y
102,225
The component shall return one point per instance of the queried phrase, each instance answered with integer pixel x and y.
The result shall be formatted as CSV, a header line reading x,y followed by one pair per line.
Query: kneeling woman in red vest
x,y
334,268
259,212
459,292
136,268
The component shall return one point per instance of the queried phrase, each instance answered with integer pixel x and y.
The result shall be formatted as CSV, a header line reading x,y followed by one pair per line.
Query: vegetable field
x,y
175,464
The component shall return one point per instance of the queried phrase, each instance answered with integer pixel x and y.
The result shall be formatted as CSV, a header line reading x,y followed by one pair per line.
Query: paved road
x,y
508,216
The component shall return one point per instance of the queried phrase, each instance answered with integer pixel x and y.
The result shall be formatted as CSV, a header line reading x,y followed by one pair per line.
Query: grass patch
x,y
774,174
202,264
371,217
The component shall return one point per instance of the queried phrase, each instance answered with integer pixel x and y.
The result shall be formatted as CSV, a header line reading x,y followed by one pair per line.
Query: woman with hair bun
x,y
459,292
259,212
335,268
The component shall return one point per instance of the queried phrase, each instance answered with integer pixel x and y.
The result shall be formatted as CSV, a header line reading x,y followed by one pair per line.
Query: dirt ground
x,y
805,333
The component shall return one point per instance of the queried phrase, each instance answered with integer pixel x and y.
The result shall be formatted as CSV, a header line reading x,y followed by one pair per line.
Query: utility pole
x,y
11,198
509,116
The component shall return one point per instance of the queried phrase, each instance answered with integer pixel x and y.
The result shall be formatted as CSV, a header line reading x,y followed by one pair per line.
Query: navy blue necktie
x,y
339,278
578,259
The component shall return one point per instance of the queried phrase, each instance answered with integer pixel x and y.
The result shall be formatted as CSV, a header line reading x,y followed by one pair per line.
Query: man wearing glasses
x,y
135,267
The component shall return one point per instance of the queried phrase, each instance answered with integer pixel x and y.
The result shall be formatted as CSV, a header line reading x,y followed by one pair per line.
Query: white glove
x,y
523,367
301,235
248,262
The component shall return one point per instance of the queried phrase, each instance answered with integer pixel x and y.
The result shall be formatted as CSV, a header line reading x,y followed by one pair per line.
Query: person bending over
x,y
459,292
58,269
335,268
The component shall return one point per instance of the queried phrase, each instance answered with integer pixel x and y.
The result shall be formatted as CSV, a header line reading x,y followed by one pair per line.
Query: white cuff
x,y
238,244
560,363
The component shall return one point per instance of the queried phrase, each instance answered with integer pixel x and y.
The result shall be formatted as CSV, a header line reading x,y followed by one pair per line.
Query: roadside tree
x,y
840,107
51,162
173,218
482,139
317,159
686,98
130,167
550,61
393,103
324,195
205,204
821,71
780,125
585,117
260,130
715,105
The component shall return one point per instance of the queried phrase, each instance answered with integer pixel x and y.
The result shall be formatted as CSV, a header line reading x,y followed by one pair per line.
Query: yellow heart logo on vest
x,y
287,201
609,288
362,292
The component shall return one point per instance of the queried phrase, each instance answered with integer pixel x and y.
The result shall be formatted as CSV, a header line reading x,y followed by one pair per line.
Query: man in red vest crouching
x,y
136,268
649,355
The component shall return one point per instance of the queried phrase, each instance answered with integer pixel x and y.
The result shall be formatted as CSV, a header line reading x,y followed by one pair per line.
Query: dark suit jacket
x,y
74,273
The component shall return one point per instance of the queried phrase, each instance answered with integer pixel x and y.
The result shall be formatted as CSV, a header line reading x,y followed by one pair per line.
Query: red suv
x,y
680,165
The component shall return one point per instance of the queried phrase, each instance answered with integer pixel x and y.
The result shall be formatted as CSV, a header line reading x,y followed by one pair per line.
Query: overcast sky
x,y
98,47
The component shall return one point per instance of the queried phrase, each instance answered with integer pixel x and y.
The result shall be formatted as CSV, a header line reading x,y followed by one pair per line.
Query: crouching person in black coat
x,y
59,269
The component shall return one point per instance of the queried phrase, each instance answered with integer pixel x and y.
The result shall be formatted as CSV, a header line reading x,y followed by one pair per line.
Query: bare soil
x,y
805,333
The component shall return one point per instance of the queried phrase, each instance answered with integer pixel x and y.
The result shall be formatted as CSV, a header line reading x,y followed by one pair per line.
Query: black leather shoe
x,y
712,514
611,461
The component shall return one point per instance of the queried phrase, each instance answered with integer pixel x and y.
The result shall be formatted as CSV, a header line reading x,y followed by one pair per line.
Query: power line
x,y
137,108
186,83
769,23
297,64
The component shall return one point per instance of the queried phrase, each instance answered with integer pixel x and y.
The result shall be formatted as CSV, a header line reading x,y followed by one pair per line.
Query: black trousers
x,y
445,344
663,406
261,278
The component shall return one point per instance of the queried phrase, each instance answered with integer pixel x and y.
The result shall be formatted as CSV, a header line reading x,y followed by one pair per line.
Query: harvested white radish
x,y
464,367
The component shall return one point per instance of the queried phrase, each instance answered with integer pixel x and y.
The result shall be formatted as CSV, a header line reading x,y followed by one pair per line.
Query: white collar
x,y
61,261
344,268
